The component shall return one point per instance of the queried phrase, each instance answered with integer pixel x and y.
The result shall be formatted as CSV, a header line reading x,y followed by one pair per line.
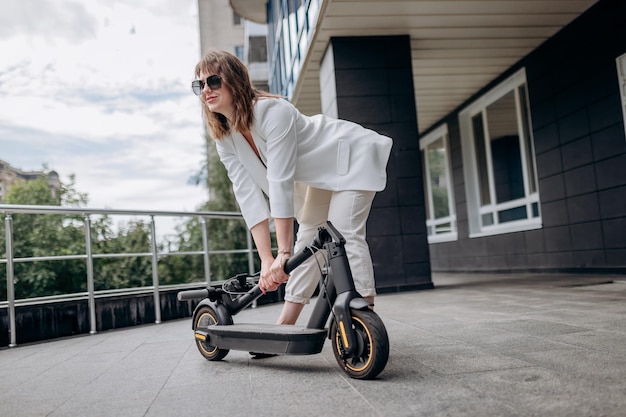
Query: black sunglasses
x,y
214,82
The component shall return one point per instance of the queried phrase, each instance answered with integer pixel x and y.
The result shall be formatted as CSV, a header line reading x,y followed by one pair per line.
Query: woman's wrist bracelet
x,y
284,255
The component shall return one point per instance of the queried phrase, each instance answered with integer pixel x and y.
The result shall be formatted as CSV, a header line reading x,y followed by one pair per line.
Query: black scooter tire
x,y
373,346
206,317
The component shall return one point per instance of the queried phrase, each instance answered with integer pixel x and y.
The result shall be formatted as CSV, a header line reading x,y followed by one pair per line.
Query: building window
x,y
621,72
440,214
499,161
239,52
236,19
258,49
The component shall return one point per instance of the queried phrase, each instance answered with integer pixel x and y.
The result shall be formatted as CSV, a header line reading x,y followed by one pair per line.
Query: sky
x,y
101,89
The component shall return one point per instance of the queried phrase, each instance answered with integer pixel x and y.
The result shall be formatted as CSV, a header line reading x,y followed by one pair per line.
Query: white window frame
x,y
470,169
431,223
620,61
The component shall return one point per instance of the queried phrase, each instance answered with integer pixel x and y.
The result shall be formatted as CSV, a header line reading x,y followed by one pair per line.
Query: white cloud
x,y
100,89
48,19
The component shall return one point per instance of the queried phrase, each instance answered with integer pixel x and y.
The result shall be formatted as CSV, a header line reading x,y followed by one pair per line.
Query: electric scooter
x,y
359,339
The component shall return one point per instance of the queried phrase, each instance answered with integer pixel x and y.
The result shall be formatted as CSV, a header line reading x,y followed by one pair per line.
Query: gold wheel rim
x,y
202,345
369,339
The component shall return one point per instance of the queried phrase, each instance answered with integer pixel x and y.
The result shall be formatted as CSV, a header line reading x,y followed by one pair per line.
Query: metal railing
x,y
8,210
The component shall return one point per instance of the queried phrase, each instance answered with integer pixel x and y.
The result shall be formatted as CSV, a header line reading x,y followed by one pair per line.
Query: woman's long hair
x,y
234,76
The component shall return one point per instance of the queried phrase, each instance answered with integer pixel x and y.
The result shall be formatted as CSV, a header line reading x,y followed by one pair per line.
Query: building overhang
x,y
457,47
254,10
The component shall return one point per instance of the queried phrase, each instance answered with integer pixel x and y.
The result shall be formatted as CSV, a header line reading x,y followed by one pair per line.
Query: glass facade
x,y
291,23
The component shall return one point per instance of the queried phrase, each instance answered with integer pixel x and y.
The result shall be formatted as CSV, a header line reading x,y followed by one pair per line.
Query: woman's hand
x,y
273,272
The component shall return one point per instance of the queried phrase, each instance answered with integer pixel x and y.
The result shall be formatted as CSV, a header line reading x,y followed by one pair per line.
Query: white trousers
x,y
348,212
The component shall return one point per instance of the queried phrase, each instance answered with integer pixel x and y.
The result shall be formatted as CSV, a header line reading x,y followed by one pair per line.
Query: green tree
x,y
126,271
222,234
39,235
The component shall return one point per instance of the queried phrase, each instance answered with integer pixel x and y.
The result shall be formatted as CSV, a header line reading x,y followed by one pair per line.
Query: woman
x,y
312,169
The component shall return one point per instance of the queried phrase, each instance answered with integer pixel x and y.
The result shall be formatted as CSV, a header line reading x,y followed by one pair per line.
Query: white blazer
x,y
295,151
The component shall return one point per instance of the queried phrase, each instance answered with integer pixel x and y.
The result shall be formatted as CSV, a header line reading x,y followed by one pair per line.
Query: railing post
x,y
250,252
155,273
90,284
205,248
8,223
250,258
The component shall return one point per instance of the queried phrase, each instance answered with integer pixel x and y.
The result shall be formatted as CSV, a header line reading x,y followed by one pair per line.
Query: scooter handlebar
x,y
297,259
192,294
324,235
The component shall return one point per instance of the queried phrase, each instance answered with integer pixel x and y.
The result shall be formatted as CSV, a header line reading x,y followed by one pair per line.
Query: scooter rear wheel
x,y
372,346
207,317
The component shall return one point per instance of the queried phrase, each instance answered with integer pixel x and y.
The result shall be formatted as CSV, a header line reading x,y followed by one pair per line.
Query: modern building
x,y
223,28
507,117
220,27
9,174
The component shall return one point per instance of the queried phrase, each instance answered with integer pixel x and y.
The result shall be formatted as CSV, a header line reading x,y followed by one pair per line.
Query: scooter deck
x,y
265,338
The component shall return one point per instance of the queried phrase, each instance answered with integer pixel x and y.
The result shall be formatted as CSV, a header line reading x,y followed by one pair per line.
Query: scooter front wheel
x,y
207,317
372,346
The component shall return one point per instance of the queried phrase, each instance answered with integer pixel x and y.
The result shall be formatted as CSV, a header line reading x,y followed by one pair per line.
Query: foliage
x,y
222,234
121,272
37,235
45,235
42,235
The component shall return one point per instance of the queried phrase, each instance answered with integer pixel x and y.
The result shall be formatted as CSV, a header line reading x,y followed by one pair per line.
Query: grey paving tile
x,y
601,340
515,345
583,363
460,358
537,327
113,408
526,390
28,405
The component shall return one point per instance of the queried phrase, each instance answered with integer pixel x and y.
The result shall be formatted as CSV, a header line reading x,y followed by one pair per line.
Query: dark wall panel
x,y
580,147
374,87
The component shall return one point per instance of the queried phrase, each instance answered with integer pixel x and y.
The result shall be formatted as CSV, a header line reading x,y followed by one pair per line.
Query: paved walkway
x,y
477,345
